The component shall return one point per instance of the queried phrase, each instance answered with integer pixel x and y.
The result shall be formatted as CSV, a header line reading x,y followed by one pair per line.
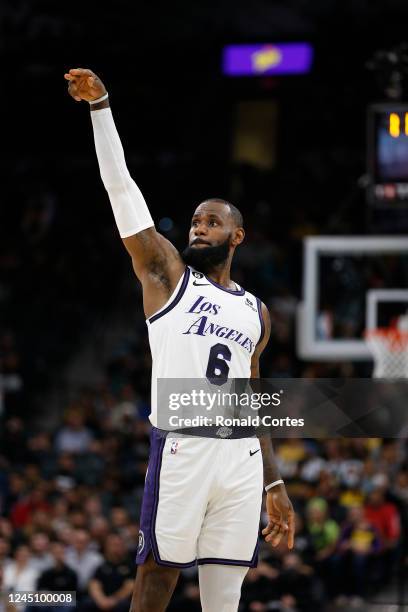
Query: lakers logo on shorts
x,y
141,543
224,432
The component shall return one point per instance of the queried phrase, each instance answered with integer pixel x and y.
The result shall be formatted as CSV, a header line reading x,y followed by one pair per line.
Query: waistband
x,y
211,431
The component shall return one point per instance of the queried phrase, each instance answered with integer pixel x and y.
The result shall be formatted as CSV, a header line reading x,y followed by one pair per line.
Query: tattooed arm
x,y
281,516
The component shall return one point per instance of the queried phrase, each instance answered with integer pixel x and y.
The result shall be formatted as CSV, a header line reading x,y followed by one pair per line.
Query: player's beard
x,y
205,259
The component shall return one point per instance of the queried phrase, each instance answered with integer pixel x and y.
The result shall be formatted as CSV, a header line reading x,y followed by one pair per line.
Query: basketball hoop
x,y
389,346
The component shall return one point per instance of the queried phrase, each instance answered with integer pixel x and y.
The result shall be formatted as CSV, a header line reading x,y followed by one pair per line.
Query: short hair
x,y
235,213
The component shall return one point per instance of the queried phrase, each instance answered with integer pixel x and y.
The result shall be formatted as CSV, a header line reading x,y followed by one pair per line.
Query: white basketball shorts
x,y
202,501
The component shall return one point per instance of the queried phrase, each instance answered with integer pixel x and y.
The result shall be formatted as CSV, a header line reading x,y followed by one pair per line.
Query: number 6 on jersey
x,y
218,368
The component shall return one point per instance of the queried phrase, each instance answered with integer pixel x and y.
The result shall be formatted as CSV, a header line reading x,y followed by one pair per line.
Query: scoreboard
x,y
269,59
387,155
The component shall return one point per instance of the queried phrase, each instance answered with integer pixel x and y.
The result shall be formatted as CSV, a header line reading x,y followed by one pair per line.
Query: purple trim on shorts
x,y
176,300
151,501
218,561
259,304
156,501
174,564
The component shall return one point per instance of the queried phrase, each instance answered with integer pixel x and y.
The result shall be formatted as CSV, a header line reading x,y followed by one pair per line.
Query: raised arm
x,y
281,517
156,261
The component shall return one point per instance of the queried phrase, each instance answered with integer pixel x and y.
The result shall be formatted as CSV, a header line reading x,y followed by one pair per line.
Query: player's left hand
x,y
281,517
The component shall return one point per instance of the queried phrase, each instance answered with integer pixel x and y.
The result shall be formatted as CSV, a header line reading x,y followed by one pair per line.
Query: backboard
x,y
344,280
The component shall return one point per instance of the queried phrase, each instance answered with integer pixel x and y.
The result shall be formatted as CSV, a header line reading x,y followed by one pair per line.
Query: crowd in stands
x,y
70,502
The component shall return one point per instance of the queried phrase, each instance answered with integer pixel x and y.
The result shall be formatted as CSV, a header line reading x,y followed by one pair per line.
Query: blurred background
x,y
290,136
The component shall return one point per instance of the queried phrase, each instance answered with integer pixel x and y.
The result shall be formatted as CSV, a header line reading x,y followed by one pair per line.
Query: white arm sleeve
x,y
128,204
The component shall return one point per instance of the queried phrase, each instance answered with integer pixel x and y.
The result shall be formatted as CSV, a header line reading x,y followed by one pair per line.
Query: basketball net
x,y
389,346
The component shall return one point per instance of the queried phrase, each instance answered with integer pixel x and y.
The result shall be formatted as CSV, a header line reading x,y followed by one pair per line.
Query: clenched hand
x,y
84,84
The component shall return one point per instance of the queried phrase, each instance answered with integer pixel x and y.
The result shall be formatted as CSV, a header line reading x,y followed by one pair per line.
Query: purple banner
x,y
266,59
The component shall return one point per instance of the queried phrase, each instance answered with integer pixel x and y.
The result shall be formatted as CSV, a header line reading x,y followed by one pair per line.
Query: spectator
x,y
112,584
93,507
355,562
78,519
65,473
119,519
324,533
59,514
59,577
259,587
383,515
99,529
303,539
289,454
4,551
13,440
41,558
5,605
66,535
125,412
298,582
400,488
19,575
323,530
41,452
6,528
186,597
22,511
74,437
312,468
82,559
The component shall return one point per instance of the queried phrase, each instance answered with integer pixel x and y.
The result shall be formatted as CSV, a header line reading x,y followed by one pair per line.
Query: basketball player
x,y
203,495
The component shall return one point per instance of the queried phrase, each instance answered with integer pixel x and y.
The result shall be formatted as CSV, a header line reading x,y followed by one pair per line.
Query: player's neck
x,y
221,275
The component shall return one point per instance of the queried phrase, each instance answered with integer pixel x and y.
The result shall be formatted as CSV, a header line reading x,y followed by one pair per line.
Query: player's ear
x,y
238,236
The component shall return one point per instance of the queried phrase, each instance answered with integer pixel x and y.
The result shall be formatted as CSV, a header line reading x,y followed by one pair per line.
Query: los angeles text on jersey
x,y
222,421
203,327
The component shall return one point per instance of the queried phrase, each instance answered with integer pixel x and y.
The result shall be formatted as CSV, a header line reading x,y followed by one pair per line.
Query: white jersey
x,y
203,331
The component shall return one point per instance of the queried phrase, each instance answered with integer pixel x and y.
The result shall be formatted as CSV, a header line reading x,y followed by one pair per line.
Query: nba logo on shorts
x,y
174,447
141,542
